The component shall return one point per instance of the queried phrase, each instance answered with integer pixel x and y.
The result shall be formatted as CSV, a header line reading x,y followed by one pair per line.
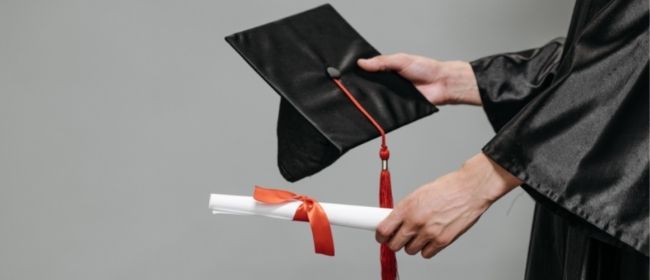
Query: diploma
x,y
353,216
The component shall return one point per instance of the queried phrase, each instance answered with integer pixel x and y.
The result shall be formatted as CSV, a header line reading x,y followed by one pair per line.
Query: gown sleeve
x,y
508,81
580,144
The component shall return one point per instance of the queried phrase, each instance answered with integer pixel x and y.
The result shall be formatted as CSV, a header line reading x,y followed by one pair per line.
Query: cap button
x,y
333,72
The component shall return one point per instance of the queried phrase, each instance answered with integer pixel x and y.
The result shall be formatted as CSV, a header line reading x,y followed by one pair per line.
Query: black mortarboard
x,y
317,122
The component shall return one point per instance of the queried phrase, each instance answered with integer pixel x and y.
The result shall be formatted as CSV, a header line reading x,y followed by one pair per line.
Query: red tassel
x,y
388,263
387,256
385,190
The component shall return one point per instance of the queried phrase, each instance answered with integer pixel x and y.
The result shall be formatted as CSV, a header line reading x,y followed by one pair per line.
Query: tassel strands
x,y
387,258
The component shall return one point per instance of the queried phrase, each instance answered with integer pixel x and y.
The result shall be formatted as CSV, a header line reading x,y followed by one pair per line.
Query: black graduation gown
x,y
572,122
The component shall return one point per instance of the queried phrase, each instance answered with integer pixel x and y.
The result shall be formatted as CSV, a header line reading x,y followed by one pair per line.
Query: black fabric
x,y
509,81
572,123
562,248
317,123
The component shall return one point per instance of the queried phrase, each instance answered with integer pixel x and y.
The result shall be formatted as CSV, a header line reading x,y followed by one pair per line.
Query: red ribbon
x,y
309,211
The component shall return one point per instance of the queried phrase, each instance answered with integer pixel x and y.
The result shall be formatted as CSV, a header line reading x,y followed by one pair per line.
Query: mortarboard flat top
x,y
317,123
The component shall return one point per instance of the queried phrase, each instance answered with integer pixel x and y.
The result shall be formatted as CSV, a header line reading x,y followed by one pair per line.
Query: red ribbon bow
x,y
309,211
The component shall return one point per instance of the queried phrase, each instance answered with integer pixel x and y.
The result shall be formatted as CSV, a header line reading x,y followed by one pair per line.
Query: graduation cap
x,y
318,123
329,105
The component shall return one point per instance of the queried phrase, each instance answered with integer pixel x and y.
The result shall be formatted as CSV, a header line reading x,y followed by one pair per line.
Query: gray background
x,y
119,118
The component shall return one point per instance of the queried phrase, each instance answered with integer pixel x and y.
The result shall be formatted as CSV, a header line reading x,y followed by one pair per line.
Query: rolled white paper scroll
x,y
354,216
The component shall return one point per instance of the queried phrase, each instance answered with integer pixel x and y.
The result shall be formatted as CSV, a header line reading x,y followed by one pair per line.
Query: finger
x,y
403,236
431,249
392,62
416,244
388,226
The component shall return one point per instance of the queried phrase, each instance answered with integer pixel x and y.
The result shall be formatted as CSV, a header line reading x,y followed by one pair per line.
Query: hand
x,y
441,82
436,214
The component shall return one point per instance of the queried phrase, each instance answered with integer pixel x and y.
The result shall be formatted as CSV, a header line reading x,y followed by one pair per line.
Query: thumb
x,y
392,62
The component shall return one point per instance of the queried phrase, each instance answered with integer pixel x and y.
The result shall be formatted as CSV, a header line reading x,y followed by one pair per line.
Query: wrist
x,y
461,84
494,181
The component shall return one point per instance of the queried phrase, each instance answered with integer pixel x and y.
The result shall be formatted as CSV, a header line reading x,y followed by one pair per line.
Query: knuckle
x,y
443,240
418,220
433,61
383,230
397,213
379,238
409,234
431,231
400,55
380,61
408,230
436,241
410,251
427,253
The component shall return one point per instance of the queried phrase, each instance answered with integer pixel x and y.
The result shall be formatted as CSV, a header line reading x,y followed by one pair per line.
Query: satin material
x,y
309,211
572,122
317,123
563,248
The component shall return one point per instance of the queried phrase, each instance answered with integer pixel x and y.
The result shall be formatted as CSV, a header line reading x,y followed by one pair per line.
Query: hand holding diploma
x,y
280,204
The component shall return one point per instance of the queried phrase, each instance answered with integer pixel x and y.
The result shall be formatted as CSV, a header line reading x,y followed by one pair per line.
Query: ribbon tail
x,y
273,196
321,230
